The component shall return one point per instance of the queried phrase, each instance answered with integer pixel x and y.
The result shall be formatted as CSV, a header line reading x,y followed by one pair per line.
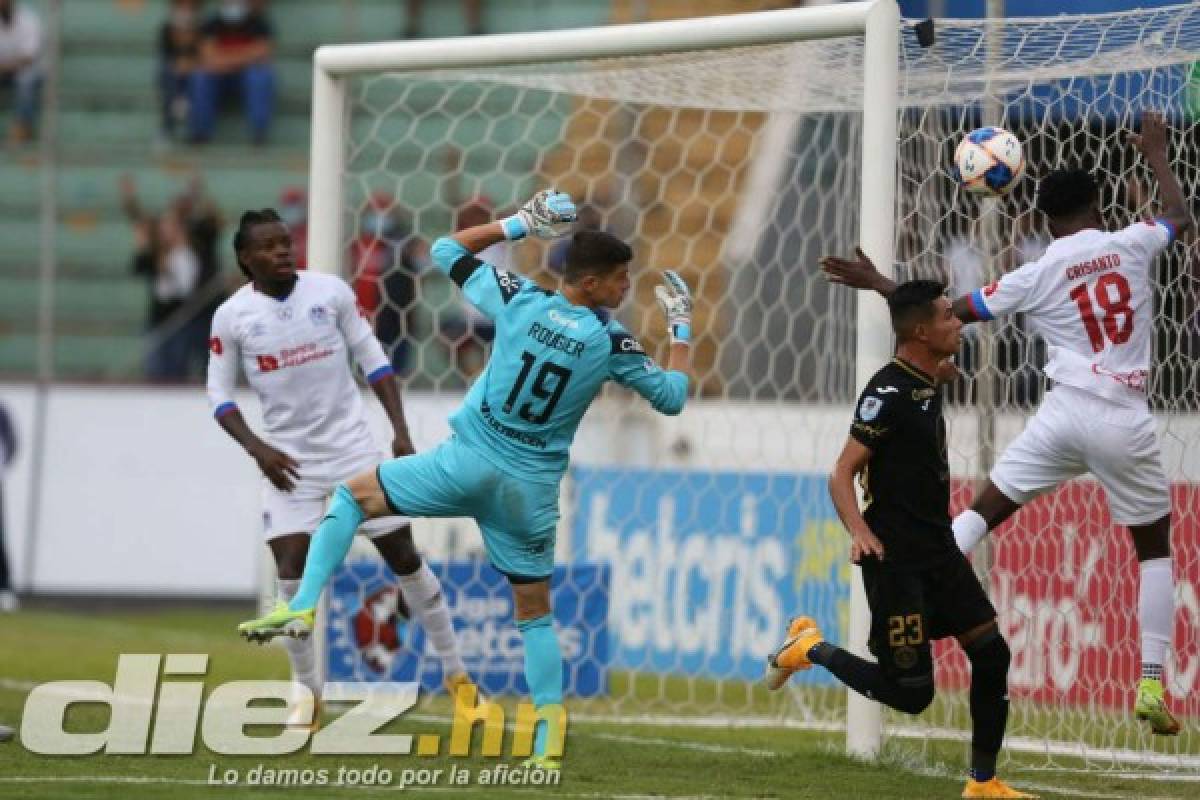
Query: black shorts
x,y
912,607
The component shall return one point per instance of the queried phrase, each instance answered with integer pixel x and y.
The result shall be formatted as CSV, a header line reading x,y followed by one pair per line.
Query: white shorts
x,y
1076,432
302,509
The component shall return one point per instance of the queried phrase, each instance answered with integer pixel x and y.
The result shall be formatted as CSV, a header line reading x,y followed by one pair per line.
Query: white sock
x,y
423,594
301,652
1156,609
969,528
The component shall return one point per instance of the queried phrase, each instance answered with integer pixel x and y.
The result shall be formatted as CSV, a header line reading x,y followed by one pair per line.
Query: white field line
x,y
1116,774
936,772
703,747
1019,744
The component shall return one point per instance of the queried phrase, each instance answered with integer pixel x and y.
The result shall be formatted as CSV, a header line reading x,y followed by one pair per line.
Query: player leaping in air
x,y
292,334
1091,298
552,353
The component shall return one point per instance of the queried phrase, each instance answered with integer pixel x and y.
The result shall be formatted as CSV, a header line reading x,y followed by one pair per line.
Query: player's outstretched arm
x,y
547,215
1151,142
860,273
850,463
857,273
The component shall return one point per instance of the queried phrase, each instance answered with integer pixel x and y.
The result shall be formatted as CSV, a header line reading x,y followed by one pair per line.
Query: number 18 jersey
x,y
1090,296
549,360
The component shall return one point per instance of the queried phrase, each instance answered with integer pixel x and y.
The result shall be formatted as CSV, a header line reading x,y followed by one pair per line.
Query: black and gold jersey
x,y
906,483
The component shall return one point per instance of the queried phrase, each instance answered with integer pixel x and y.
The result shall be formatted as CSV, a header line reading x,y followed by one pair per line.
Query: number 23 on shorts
x,y
905,630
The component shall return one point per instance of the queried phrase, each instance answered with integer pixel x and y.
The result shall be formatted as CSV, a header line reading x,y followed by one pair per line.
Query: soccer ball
x,y
989,161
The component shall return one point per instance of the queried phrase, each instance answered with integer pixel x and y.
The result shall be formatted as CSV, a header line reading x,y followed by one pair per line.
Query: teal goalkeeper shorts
x,y
518,518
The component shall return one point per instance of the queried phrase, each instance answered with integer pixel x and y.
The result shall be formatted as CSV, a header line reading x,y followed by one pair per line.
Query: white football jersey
x,y
1091,297
295,353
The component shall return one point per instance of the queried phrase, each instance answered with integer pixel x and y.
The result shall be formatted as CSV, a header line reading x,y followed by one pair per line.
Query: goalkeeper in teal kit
x,y
552,353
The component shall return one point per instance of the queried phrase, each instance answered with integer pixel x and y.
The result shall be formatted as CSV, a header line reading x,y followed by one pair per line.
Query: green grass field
x,y
604,759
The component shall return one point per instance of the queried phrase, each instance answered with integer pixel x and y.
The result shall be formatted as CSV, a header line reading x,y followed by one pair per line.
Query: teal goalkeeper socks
x,y
543,668
328,547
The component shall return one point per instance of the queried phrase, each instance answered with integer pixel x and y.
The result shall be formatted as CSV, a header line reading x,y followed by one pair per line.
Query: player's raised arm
x,y
628,364
860,273
857,273
548,215
1152,144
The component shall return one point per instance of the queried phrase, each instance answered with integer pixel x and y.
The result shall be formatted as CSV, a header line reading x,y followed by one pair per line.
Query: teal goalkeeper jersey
x,y
549,360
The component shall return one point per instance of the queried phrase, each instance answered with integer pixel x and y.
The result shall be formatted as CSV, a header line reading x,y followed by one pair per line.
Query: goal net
x,y
687,543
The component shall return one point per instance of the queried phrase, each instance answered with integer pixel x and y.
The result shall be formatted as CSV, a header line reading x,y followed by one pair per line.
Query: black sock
x,y
989,703
983,765
868,679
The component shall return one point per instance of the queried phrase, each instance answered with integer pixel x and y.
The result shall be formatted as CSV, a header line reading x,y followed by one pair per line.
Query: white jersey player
x,y
293,334
1090,296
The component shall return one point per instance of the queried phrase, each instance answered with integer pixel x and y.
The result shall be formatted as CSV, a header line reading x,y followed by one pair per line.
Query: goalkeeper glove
x,y
675,299
547,215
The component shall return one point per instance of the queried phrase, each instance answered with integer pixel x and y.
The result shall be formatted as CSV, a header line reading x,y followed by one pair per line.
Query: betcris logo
x,y
372,638
709,567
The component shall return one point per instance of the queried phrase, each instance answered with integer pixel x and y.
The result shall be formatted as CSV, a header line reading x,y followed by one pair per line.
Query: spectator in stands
x,y
21,65
193,212
176,271
293,210
178,54
203,222
235,55
8,451
472,10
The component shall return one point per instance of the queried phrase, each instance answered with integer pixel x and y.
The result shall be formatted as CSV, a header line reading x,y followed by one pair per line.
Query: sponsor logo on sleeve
x,y
623,343
869,408
508,283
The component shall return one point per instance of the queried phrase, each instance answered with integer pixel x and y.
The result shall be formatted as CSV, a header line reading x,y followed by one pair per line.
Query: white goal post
x,y
877,21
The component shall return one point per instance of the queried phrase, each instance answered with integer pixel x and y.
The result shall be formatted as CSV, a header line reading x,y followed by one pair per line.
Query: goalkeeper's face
x,y
607,290
268,253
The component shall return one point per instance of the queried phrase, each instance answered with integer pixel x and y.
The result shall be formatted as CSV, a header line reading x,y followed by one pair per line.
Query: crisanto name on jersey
x,y
1090,296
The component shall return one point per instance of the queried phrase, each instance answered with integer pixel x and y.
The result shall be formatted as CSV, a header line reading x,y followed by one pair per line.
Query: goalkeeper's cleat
x,y
305,714
542,762
995,788
282,621
462,681
792,655
1151,706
